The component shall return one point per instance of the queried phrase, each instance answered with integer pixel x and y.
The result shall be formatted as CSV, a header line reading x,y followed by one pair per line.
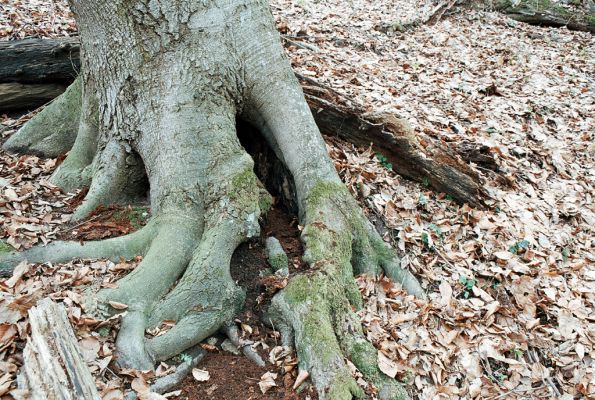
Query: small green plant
x,y
518,353
426,181
498,376
565,253
406,377
104,331
137,216
468,284
185,358
5,247
384,161
521,244
423,200
436,229
449,197
426,239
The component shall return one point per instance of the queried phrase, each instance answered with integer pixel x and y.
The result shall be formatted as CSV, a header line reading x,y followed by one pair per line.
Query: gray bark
x,y
438,165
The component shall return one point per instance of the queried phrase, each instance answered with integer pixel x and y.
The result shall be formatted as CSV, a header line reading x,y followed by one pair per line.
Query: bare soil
x,y
235,377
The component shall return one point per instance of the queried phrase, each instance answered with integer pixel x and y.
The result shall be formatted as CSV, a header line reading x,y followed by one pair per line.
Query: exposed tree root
x,y
314,311
246,347
127,247
167,383
53,131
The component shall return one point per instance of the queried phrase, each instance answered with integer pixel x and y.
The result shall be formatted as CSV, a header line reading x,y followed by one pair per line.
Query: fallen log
x,y
418,158
53,366
39,60
415,157
18,96
546,13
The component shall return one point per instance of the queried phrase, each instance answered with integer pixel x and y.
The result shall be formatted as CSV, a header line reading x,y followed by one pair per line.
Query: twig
x,y
232,333
547,381
168,382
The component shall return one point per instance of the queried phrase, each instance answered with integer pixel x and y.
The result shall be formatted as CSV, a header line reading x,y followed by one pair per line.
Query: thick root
x,y
315,309
113,249
305,307
165,261
192,284
75,172
52,132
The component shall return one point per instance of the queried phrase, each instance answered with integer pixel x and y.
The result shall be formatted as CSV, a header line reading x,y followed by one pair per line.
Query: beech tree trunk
x,y
161,86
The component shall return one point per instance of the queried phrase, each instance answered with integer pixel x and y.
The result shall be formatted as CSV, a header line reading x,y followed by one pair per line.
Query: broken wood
x,y
439,11
34,71
414,156
53,366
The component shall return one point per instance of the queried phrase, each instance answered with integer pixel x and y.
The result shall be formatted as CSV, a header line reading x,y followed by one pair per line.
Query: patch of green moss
x,y
265,202
244,180
137,216
5,247
279,261
245,191
364,357
353,295
322,192
300,289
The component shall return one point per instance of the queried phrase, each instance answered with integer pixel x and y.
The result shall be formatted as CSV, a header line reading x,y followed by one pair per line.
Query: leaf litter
x,y
511,289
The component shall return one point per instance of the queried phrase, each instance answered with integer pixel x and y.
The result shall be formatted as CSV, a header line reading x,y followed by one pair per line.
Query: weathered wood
x,y
53,366
18,96
39,60
548,19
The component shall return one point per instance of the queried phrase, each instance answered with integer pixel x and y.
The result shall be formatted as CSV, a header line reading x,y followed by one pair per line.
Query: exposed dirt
x,y
235,377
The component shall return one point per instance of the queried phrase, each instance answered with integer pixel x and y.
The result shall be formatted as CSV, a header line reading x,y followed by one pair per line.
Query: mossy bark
x,y
166,101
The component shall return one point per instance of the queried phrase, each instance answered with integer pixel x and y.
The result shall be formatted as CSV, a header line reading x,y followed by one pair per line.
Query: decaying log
x,y
39,60
19,96
53,366
546,13
34,71
420,159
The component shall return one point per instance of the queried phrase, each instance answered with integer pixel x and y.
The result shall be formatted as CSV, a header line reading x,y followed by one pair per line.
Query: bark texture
x,y
39,60
161,86
34,71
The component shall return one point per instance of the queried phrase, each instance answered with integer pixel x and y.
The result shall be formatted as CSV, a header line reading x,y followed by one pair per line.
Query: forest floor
x,y
511,309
